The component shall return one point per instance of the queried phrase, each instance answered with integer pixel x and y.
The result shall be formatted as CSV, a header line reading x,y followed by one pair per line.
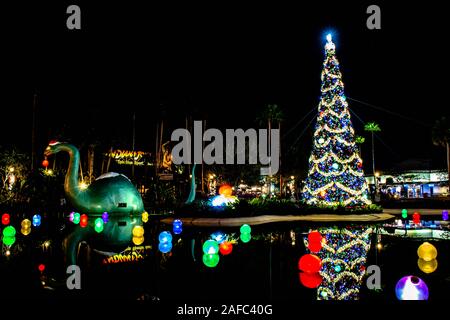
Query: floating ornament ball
x,y
9,231
310,280
26,224
245,237
210,247
6,219
25,232
310,263
411,288
416,217
9,241
45,163
41,267
225,190
98,225
36,220
445,215
76,218
139,240
211,260
105,217
177,226
165,237
314,236
427,251
404,213
138,231
165,247
245,228
144,217
71,216
315,247
427,266
226,248
83,220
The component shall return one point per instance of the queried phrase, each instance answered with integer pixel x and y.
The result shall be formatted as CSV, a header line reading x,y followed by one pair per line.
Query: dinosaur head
x,y
52,148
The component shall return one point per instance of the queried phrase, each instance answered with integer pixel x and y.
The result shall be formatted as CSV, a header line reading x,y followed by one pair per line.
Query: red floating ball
x,y
6,219
310,280
225,248
416,217
315,247
314,237
226,190
83,221
41,267
45,163
310,263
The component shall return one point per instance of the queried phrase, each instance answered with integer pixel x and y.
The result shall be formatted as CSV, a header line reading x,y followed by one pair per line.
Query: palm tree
x,y
359,141
441,137
373,127
272,112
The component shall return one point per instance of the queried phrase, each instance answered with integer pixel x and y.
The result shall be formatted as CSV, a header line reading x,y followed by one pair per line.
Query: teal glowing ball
x,y
211,247
245,228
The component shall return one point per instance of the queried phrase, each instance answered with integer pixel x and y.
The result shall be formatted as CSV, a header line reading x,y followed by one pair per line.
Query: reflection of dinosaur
x,y
112,192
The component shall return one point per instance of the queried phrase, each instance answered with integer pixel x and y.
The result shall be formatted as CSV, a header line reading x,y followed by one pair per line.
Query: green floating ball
x,y
210,247
98,225
245,228
76,218
404,213
246,237
9,241
9,231
211,260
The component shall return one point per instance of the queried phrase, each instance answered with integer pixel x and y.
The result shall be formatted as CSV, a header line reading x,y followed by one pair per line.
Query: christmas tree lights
x,y
336,175
343,255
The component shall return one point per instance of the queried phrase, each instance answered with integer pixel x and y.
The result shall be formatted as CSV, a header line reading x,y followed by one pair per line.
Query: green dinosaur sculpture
x,y
112,192
191,196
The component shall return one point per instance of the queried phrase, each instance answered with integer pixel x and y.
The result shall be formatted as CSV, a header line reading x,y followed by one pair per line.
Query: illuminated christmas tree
x,y
335,168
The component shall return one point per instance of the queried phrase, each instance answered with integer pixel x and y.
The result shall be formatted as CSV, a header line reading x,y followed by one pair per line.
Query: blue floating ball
x,y
36,220
165,237
165,247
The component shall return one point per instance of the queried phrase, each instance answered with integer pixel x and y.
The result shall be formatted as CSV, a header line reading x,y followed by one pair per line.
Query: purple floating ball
x,y
71,216
411,288
445,215
105,217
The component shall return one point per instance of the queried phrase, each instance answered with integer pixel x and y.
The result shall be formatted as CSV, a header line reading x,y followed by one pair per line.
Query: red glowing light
x,y
315,247
225,248
83,221
41,267
226,190
314,236
310,280
6,219
45,163
310,263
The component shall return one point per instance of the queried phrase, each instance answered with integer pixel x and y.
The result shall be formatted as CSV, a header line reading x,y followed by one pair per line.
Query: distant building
x,y
413,178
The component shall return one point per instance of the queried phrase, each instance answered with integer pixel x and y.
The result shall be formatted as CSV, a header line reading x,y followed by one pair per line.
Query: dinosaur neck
x,y
191,196
71,184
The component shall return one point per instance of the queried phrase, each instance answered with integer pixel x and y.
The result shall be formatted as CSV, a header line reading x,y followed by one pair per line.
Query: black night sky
x,y
222,63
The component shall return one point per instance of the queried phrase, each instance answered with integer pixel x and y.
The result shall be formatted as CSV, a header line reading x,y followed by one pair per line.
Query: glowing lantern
x,y
139,240
310,280
411,288
177,226
165,247
9,231
6,219
41,267
9,241
45,163
26,224
25,232
105,217
219,236
144,217
314,236
315,247
36,220
83,221
76,218
226,190
138,231
404,213
427,251
211,260
226,248
246,237
245,228
210,247
71,215
416,217
310,263
427,266
445,215
165,237
98,225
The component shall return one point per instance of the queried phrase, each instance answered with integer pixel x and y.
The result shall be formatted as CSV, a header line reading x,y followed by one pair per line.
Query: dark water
x,y
264,269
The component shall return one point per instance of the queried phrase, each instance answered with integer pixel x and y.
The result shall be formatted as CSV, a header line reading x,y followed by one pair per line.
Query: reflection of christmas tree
x,y
335,169
343,254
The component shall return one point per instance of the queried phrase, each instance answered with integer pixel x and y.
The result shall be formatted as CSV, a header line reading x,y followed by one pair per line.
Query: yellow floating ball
x,y
138,231
25,231
26,224
138,240
145,217
427,251
427,266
